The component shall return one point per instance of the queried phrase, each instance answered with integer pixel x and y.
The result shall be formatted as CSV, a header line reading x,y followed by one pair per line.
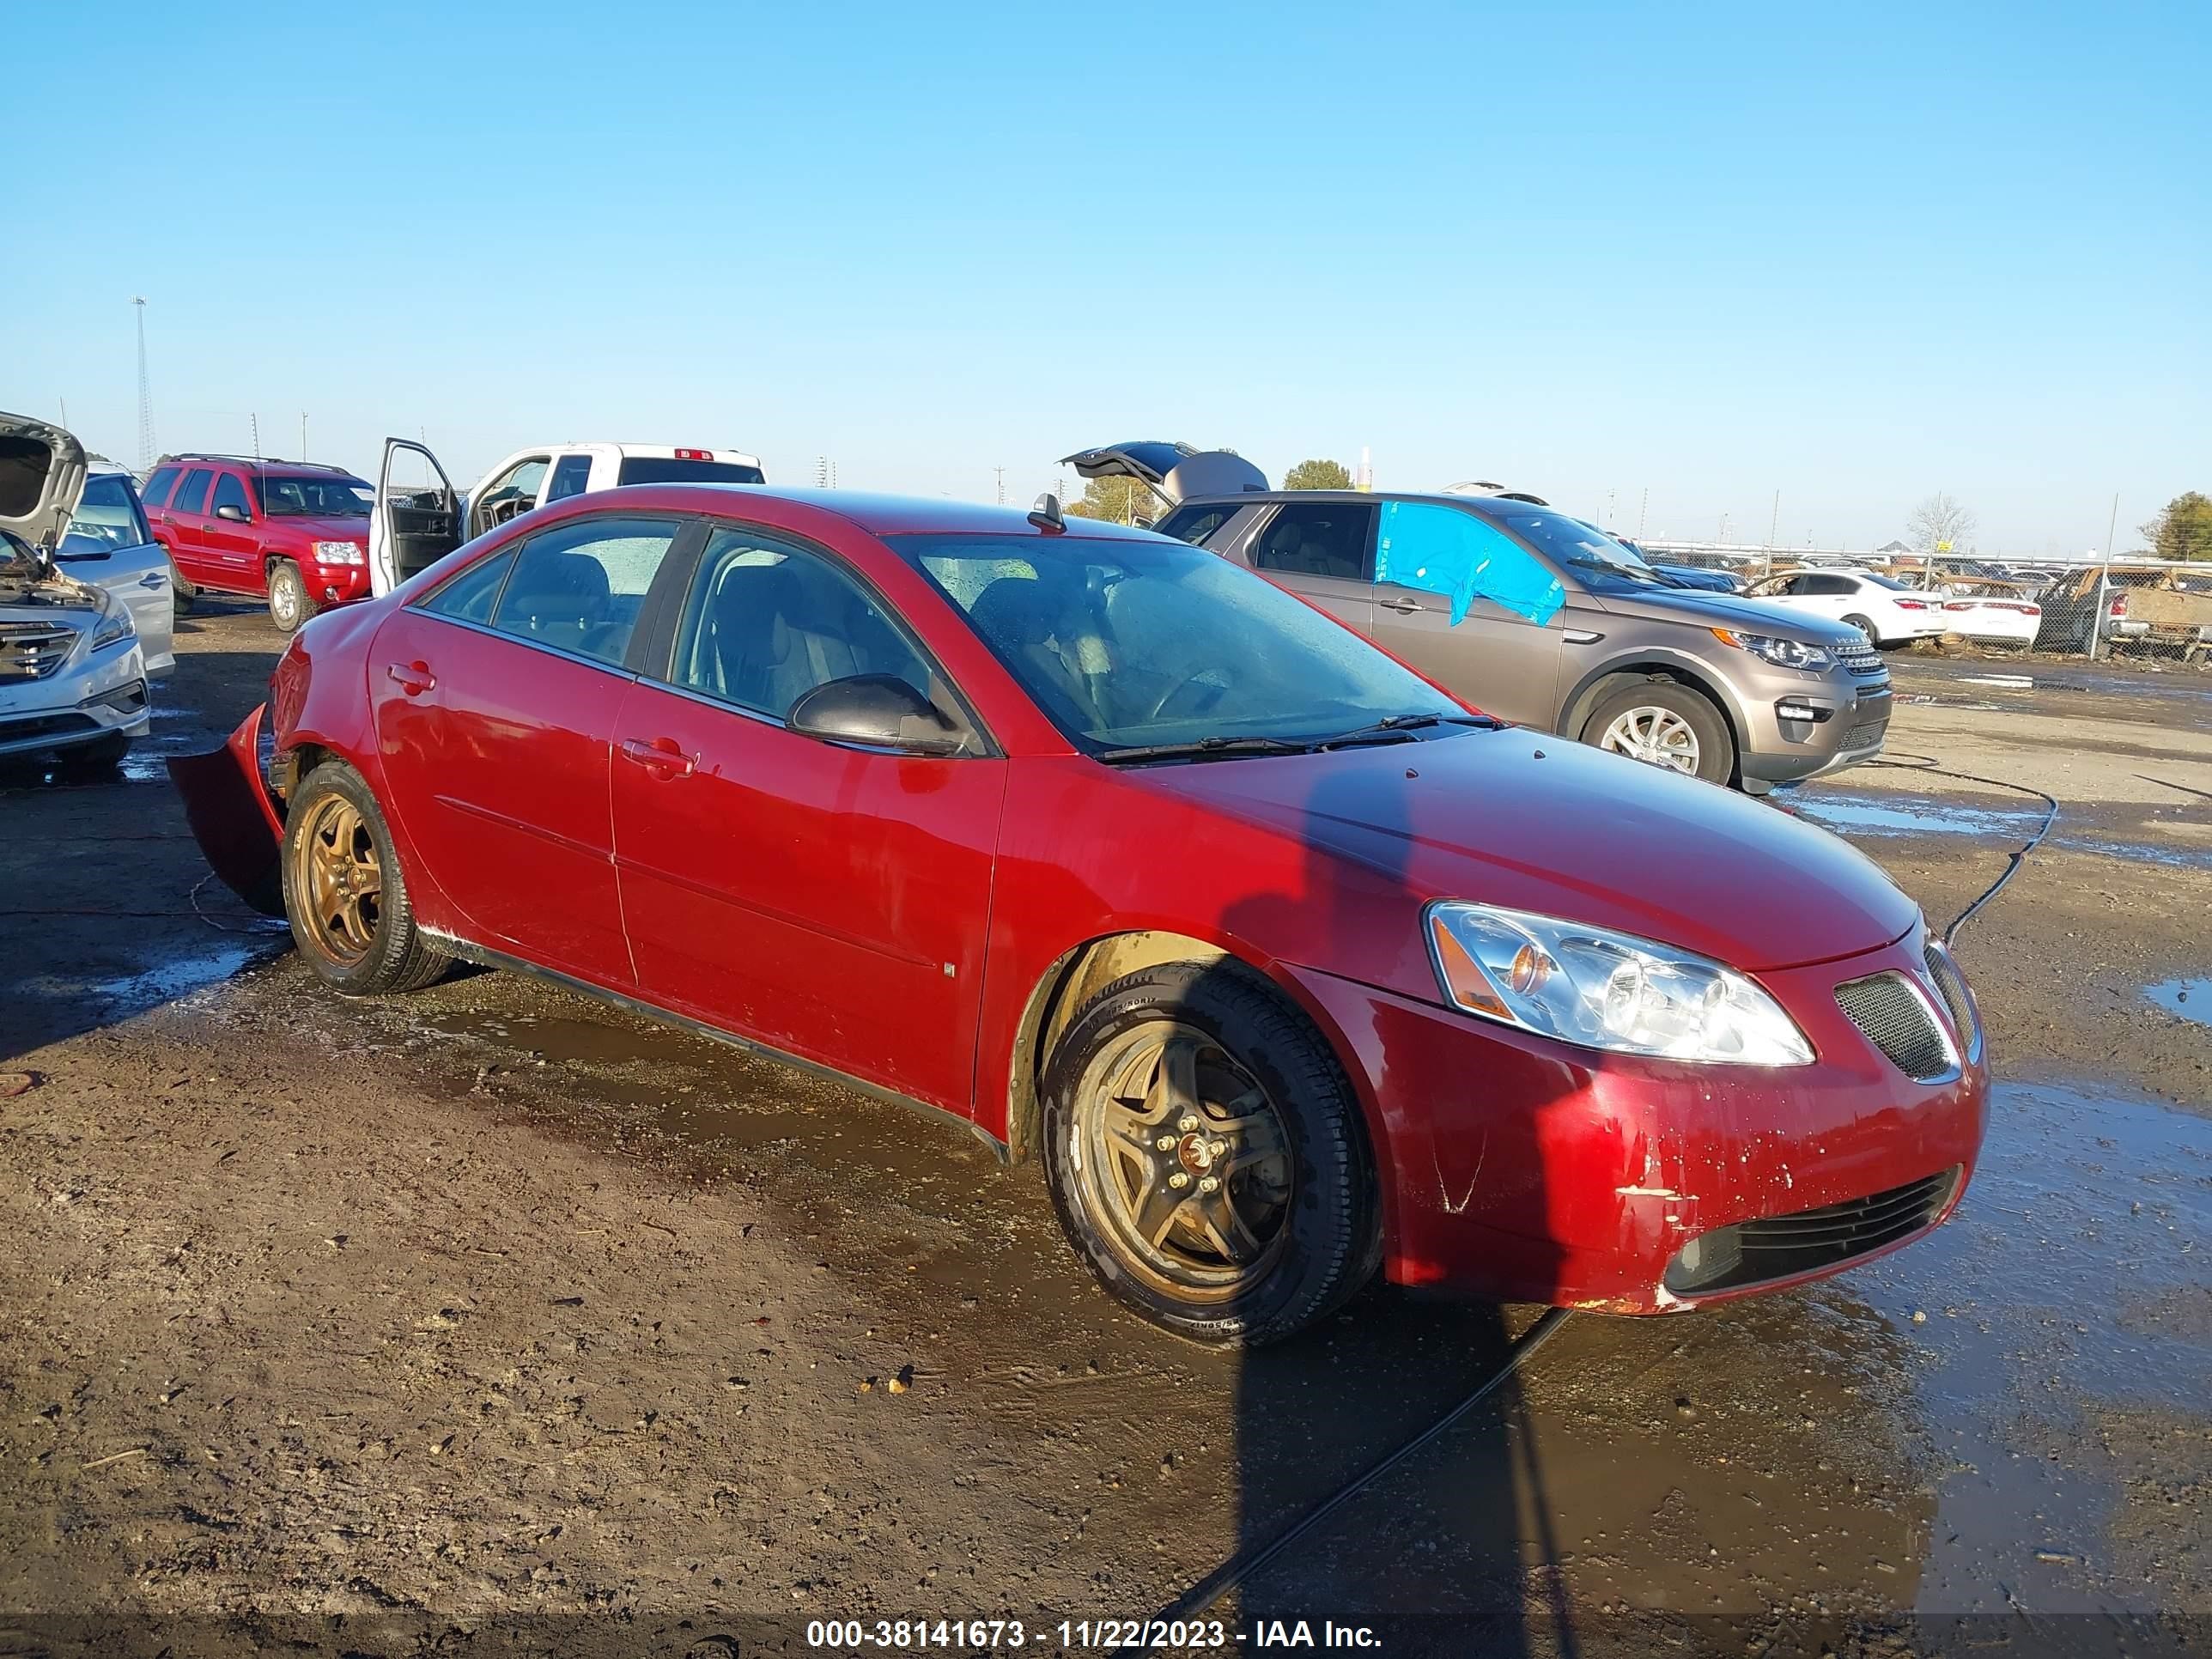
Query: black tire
x,y
180,590
392,955
1325,1242
1865,626
97,759
1714,756
290,604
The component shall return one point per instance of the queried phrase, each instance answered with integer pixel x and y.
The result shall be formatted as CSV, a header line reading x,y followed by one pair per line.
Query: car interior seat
x,y
563,598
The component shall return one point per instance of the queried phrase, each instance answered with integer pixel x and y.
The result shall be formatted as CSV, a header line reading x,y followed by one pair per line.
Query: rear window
x,y
158,486
1198,522
666,469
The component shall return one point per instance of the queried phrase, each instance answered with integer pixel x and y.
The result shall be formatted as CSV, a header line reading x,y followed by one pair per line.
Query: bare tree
x,y
1940,525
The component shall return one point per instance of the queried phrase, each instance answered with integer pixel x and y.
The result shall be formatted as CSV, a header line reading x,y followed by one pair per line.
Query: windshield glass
x,y
669,469
1135,641
314,498
1601,563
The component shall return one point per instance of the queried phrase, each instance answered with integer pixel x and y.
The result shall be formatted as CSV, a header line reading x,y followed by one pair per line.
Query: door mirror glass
x,y
234,513
879,710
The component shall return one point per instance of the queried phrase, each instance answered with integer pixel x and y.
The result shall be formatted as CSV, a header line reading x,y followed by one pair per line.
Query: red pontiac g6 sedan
x,y
1286,964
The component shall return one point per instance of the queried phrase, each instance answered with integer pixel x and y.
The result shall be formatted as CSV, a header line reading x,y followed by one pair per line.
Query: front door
x,y
831,902
494,701
1502,660
1323,551
415,520
230,534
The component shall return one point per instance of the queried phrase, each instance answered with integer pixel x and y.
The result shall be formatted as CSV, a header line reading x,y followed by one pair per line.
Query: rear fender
x,y
239,825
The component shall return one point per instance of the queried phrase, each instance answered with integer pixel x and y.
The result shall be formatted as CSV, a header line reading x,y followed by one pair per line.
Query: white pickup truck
x,y
411,530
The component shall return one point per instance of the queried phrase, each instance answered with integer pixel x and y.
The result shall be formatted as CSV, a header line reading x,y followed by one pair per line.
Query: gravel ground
x,y
491,1318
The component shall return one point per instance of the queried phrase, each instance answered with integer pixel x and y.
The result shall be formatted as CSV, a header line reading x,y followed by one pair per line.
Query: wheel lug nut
x,y
1217,1149
1178,1180
1209,1184
1188,1124
1165,1143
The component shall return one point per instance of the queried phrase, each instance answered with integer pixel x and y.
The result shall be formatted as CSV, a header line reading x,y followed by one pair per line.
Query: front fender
x,y
239,825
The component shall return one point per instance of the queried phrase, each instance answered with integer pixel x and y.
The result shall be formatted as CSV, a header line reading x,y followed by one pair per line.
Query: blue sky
x,y
1855,254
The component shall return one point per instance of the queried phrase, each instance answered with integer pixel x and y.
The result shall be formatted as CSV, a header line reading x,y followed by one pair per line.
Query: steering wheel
x,y
1212,680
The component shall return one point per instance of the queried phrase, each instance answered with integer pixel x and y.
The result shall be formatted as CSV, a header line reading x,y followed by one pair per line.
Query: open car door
x,y
1174,472
42,473
410,530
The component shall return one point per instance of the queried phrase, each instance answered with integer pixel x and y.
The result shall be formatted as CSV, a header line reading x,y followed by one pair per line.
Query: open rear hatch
x,y
41,479
1174,472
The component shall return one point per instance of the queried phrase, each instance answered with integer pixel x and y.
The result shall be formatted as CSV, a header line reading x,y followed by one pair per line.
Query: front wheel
x,y
1207,1157
1864,627
289,603
1667,725
345,894
182,591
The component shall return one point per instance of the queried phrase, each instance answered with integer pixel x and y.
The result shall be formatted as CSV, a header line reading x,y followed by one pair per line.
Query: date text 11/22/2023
x,y
1105,1635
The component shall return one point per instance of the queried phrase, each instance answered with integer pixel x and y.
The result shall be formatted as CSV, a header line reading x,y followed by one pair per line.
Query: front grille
x,y
1782,1246
1865,735
1896,1018
30,651
1953,985
1860,657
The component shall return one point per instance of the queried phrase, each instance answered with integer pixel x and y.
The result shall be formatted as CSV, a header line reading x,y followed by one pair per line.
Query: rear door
x,y
415,518
494,701
1323,551
830,901
109,544
186,522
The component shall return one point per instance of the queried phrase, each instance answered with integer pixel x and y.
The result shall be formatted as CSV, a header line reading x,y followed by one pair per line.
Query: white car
x,y
1998,614
72,677
1882,608
411,530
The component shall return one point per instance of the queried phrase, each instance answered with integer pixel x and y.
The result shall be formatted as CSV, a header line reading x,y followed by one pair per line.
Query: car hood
x,y
1706,608
42,472
1534,823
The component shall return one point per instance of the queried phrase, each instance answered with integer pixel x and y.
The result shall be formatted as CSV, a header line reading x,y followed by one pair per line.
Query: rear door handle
x,y
414,678
659,756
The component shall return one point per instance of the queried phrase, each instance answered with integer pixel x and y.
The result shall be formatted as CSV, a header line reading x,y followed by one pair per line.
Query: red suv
x,y
294,530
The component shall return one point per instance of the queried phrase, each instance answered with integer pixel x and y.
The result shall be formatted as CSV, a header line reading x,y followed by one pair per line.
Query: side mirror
x,y
235,515
879,710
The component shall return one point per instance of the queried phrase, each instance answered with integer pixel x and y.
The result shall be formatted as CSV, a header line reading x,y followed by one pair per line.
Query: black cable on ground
x,y
1232,1573
1924,763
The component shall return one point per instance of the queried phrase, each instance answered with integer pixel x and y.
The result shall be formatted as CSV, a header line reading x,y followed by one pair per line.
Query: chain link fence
x,y
2144,610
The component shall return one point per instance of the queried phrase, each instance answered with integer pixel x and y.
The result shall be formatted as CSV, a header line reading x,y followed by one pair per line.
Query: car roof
x,y
877,514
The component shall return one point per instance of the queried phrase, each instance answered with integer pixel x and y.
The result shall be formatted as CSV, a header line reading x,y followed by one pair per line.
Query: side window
x,y
192,495
471,595
159,484
572,476
1830,588
230,491
1198,523
580,586
1319,538
108,521
515,491
765,624
1435,549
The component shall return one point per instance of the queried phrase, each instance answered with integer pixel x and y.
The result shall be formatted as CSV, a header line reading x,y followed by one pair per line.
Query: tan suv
x,y
1565,628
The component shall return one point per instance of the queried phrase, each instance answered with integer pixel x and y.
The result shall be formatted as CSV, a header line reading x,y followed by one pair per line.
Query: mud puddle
x,y
2191,998
1908,815
117,996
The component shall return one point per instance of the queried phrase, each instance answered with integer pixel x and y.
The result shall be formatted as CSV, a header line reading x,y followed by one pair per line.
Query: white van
x,y
410,530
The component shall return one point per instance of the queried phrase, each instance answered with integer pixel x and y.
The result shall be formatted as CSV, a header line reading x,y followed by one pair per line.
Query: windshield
x,y
668,469
1601,563
1129,642
314,498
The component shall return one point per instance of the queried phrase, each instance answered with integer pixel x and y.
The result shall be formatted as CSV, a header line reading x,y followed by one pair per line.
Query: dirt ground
x,y
491,1320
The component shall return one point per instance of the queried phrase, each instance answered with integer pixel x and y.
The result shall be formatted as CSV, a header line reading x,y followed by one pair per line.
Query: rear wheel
x,y
1206,1158
290,602
1664,724
344,892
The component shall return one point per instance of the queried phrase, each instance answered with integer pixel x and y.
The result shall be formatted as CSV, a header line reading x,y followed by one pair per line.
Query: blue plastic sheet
x,y
1442,549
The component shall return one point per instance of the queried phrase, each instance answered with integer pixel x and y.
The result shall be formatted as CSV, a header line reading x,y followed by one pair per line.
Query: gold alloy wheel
x,y
338,882
1182,1162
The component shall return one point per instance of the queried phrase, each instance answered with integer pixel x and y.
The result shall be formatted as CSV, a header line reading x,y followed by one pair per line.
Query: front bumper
x,y
1800,725
1518,1168
334,584
82,702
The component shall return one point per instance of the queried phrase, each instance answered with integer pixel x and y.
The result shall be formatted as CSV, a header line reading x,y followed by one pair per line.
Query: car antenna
x,y
1047,516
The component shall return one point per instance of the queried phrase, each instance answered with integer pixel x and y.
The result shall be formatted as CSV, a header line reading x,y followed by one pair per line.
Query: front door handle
x,y
152,579
1403,607
661,756
414,678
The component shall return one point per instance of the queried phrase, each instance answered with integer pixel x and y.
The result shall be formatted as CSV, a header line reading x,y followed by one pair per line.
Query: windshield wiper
x,y
1395,728
1215,748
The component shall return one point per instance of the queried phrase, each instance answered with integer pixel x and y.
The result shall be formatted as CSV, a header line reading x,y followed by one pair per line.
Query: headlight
x,y
1605,990
1783,654
339,553
114,623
